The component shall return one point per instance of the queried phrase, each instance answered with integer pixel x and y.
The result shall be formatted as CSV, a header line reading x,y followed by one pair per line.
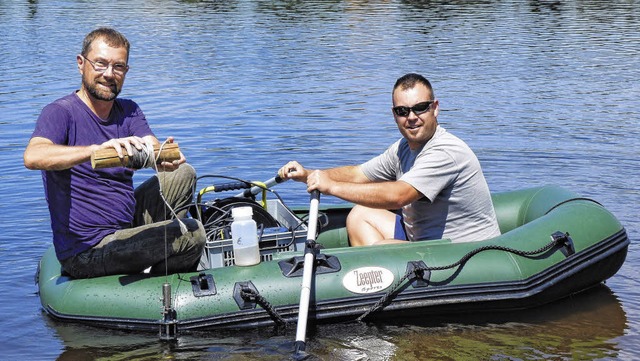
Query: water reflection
x,y
581,327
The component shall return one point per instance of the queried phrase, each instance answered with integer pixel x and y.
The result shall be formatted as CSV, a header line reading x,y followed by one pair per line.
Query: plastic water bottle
x,y
244,235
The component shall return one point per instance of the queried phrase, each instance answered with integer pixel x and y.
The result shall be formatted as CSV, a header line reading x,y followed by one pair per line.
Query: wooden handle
x,y
108,158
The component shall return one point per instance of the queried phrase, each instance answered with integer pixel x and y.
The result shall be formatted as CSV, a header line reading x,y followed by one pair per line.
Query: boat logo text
x,y
367,280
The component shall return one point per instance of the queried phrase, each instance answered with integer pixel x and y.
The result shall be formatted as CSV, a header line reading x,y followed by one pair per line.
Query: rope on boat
x,y
393,291
250,295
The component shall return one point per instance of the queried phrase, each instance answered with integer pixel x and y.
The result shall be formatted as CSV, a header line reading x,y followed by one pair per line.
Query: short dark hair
x,y
410,80
111,36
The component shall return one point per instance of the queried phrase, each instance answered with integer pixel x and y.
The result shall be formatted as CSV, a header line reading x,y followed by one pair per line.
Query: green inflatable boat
x,y
554,243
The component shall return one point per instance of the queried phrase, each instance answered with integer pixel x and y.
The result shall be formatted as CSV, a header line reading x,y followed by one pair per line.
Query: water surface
x,y
544,92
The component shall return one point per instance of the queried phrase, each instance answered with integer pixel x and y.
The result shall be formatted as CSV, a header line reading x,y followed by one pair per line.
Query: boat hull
x,y
349,282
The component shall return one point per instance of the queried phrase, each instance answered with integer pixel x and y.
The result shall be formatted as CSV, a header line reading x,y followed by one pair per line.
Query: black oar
x,y
309,262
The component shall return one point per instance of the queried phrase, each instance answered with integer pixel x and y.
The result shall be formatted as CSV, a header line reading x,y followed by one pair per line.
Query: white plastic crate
x,y
219,253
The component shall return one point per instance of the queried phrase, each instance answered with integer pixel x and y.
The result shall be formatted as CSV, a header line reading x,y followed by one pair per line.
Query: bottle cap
x,y
241,212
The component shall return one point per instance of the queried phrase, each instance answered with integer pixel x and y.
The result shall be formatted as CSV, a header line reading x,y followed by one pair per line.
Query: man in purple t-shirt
x,y
100,224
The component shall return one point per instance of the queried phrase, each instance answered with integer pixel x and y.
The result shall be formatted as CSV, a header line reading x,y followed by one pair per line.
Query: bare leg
x,y
368,226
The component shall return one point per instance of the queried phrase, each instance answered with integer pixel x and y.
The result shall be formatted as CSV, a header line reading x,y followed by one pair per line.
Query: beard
x,y
101,93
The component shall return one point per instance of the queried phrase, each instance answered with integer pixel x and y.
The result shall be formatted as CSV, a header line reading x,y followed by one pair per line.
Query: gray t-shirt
x,y
457,202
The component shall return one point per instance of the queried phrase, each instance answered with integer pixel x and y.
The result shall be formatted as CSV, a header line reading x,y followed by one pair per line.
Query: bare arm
x,y
351,184
294,170
42,154
384,195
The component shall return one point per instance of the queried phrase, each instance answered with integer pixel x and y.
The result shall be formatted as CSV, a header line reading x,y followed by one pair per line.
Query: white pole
x,y
307,272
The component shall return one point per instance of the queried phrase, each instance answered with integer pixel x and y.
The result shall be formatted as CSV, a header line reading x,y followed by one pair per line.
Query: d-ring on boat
x,y
554,243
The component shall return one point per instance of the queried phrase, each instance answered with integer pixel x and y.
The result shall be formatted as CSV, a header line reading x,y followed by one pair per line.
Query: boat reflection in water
x,y
584,326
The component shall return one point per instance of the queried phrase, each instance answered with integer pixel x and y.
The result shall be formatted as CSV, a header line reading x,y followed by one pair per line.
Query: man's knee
x,y
197,235
366,226
187,172
184,177
355,216
359,228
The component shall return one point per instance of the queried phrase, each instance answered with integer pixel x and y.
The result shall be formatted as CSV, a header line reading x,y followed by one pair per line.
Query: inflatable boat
x,y
554,243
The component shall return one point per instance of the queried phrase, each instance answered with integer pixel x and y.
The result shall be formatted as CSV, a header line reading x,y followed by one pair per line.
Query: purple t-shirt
x,y
88,204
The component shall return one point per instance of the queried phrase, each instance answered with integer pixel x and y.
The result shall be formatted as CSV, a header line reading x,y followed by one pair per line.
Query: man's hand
x,y
319,180
122,145
294,170
171,166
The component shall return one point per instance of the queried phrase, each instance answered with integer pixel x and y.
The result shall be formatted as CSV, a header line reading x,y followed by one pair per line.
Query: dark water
x,y
545,92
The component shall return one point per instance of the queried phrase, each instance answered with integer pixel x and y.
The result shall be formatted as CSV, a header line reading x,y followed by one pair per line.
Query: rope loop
x,y
250,295
394,290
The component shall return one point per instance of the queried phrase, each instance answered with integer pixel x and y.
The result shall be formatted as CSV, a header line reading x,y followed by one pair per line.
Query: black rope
x,y
385,298
250,295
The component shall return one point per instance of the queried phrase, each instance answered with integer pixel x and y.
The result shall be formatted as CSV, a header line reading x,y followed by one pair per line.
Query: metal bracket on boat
x,y
203,285
240,292
168,325
421,274
293,267
563,240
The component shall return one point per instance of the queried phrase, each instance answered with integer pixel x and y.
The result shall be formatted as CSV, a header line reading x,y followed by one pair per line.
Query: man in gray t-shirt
x,y
433,177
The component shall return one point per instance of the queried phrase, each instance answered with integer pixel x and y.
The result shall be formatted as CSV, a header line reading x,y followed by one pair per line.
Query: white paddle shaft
x,y
309,260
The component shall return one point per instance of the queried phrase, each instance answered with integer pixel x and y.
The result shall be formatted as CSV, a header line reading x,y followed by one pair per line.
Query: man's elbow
x,y
29,164
404,195
30,161
397,201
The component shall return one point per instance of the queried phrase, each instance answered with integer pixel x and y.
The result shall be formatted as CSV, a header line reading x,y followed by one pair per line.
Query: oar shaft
x,y
307,272
313,217
305,296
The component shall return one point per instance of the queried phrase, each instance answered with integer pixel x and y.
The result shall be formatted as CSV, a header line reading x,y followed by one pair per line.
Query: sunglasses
x,y
417,109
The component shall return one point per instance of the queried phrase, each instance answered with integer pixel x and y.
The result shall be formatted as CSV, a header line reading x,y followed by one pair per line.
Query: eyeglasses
x,y
417,109
101,67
